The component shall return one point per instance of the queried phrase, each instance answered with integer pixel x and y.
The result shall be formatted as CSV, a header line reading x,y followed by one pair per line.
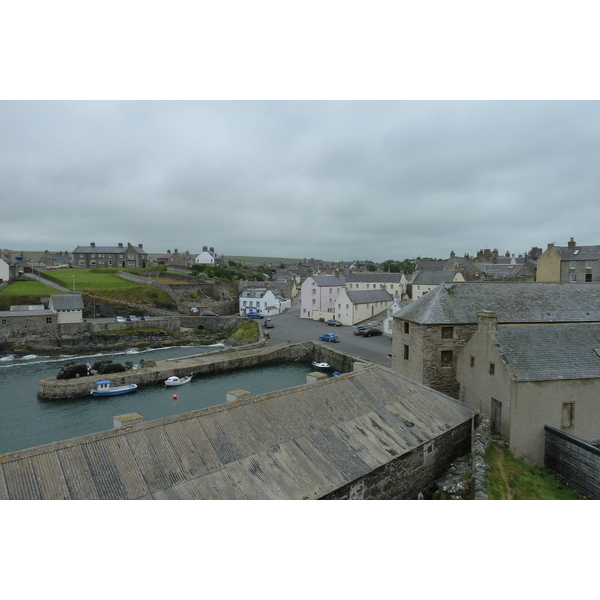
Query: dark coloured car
x,y
333,323
209,313
359,329
370,331
329,337
254,315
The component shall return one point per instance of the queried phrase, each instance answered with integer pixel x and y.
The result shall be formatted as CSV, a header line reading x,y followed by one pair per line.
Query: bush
x,y
108,366
71,370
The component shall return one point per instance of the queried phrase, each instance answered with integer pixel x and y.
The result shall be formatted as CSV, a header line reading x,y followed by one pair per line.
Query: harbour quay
x,y
210,363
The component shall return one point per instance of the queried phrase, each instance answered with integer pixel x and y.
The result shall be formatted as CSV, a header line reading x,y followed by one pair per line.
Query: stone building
x,y
176,259
526,377
114,257
429,333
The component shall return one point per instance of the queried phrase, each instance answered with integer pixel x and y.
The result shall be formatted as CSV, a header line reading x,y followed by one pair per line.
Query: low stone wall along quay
x,y
200,364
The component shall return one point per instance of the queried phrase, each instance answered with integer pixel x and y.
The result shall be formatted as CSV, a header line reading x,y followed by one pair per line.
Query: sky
x,y
379,134
337,180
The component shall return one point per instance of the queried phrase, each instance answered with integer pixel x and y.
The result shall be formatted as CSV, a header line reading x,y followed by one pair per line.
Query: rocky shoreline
x,y
106,342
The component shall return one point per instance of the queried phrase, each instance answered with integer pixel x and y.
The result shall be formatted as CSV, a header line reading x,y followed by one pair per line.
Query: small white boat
x,y
320,365
173,381
103,388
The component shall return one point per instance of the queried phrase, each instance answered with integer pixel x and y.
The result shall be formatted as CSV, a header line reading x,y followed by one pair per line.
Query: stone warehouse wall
x,y
12,327
411,474
575,461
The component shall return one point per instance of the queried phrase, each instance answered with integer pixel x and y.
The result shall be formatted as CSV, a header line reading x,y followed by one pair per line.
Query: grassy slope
x,y
512,479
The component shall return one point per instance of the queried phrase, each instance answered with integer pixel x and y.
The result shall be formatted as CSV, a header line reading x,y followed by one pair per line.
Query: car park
x,y
370,331
329,337
333,323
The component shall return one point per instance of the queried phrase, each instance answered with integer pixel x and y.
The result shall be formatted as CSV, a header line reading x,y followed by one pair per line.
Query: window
x,y
492,368
472,361
447,333
314,292
446,358
588,277
568,415
573,277
48,319
588,264
314,302
572,264
3,321
406,327
406,352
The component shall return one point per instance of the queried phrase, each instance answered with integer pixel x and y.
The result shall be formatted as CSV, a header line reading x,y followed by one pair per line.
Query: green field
x,y
28,287
82,279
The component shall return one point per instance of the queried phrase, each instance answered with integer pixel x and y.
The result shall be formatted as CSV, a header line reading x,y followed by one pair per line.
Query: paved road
x,y
289,327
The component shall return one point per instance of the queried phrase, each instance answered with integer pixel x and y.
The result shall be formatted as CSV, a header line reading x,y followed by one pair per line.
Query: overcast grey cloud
x,y
337,180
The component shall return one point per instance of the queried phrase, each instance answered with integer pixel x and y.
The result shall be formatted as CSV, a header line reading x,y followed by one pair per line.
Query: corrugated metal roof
x,y
304,442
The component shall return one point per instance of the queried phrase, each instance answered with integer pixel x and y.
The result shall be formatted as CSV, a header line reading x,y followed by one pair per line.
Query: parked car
x,y
329,337
333,323
132,318
209,313
359,329
268,324
120,319
254,315
370,331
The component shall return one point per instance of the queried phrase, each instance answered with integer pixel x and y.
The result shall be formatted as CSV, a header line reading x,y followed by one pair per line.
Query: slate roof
x,y
108,249
579,252
327,280
459,303
374,278
368,296
66,302
501,270
433,277
551,352
299,443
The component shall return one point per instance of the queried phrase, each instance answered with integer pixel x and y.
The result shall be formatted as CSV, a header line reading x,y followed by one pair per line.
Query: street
x,y
289,327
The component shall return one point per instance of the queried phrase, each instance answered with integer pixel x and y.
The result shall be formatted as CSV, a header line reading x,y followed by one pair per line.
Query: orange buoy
x,y
174,396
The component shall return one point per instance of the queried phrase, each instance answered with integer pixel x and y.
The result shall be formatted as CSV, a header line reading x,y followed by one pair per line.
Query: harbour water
x,y
27,421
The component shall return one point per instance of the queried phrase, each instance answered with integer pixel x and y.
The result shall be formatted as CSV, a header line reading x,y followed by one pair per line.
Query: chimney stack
x,y
487,321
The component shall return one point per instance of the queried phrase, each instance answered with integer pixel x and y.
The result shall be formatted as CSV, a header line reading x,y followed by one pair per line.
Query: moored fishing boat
x,y
320,365
174,380
103,388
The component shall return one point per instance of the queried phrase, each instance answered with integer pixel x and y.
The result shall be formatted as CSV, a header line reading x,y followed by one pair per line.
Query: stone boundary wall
x,y
575,461
147,281
479,445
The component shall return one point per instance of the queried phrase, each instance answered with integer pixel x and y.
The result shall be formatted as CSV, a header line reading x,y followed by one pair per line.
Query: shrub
x,y
108,366
71,370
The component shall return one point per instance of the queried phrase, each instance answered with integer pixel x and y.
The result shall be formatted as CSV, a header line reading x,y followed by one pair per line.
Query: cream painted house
x,y
528,376
394,283
354,307
569,264
425,281
69,307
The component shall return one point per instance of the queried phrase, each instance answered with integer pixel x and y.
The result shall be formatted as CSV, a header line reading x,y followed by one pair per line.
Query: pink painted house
x,y
318,296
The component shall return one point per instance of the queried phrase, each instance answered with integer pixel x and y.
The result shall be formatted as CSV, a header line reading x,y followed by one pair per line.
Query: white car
x,y
120,319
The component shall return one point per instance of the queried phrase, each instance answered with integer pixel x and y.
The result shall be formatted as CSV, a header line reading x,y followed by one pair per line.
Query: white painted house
x,y
207,257
4,271
262,301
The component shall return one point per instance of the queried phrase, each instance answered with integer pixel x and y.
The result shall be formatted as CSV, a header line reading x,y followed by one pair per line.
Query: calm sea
x,y
27,421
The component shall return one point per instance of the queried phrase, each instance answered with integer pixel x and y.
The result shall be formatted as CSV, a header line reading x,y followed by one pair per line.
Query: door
x,y
496,416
